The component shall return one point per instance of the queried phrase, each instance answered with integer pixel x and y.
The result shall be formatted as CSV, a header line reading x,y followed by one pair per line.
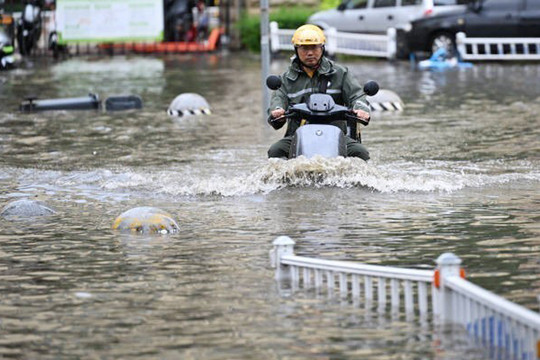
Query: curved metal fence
x,y
507,329
341,42
471,48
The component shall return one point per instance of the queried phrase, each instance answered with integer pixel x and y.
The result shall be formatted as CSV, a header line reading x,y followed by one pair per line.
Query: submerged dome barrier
x,y
385,100
188,104
26,208
146,220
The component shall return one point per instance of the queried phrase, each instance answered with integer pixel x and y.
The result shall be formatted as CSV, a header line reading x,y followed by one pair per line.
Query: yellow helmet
x,y
308,35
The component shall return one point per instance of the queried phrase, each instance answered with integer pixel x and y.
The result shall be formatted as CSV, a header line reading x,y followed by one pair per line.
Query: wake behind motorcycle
x,y
317,136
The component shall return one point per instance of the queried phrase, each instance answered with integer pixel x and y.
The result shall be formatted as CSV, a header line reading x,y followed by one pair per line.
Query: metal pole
x,y
227,21
265,55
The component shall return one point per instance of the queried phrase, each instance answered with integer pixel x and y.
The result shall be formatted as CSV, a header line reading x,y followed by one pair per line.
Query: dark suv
x,y
487,18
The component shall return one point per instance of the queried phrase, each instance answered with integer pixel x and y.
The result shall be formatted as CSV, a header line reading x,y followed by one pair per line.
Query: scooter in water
x,y
317,136
29,27
7,60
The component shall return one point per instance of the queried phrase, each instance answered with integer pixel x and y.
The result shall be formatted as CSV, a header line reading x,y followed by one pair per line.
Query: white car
x,y
376,16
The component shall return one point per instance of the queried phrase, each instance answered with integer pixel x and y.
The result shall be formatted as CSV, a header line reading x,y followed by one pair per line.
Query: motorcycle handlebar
x,y
348,116
276,123
352,116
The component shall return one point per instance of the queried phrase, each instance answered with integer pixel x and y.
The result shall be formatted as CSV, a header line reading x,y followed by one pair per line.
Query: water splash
x,y
319,172
276,174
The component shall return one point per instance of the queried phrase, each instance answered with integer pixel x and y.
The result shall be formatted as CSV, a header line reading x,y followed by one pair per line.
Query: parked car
x,y
481,18
376,16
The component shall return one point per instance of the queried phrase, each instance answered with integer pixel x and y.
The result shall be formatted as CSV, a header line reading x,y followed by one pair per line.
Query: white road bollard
x,y
283,245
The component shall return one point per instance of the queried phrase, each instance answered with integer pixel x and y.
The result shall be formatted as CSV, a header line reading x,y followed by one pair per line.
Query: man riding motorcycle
x,y
311,72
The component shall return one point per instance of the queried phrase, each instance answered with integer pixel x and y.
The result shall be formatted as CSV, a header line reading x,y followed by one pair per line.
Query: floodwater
x,y
457,171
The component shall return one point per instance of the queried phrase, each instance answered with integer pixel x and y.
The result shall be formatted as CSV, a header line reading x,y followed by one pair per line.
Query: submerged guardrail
x,y
510,330
371,45
471,48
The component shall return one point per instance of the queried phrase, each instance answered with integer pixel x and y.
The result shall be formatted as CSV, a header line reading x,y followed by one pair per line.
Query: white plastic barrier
x,y
370,45
511,330
280,39
497,48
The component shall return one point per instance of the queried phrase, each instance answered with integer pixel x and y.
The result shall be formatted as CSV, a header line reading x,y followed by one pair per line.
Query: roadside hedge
x,y
289,17
329,4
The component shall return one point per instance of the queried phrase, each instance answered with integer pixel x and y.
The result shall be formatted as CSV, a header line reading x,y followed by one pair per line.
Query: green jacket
x,y
297,86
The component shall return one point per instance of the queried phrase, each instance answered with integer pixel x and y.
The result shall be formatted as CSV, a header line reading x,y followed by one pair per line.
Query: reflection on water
x,y
456,171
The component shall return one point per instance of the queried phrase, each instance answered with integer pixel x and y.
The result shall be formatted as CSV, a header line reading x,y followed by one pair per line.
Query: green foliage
x,y
250,32
329,4
291,17
286,17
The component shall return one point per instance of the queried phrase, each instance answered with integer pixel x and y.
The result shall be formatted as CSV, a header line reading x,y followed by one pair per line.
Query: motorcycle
x,y
317,136
6,42
29,27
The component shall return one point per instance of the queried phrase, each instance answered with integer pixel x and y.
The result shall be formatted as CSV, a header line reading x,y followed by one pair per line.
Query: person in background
x,y
49,5
202,20
308,72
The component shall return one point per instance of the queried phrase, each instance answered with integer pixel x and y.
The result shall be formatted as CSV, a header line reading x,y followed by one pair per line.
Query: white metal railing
x,y
507,328
497,48
493,320
280,39
371,45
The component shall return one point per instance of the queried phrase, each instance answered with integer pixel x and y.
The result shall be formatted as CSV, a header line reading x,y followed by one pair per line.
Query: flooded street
x,y
457,171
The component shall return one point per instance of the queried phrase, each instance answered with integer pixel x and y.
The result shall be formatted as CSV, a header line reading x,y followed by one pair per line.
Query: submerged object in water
x,y
441,60
385,100
123,102
146,220
26,208
188,104
90,102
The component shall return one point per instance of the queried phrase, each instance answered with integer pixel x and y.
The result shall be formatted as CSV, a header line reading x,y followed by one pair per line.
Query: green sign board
x,y
109,20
